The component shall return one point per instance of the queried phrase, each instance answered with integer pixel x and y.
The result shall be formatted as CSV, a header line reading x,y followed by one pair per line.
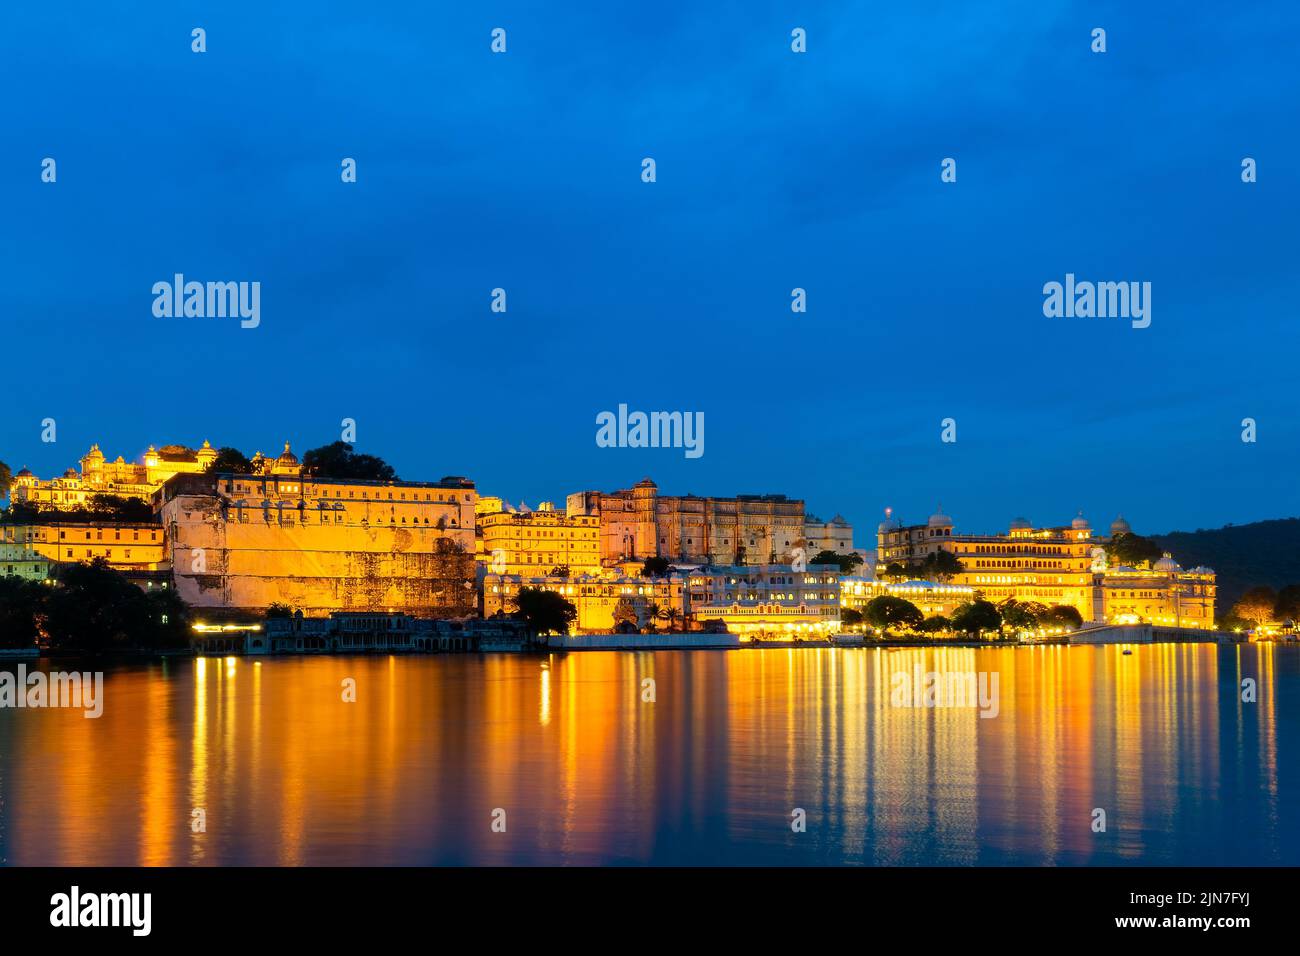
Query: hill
x,y
1243,556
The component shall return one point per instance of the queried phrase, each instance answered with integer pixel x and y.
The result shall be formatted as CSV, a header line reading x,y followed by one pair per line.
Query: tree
x,y
230,461
941,566
1061,615
1021,614
338,460
846,562
654,567
176,451
95,608
279,610
22,511
1287,607
850,617
22,607
888,612
545,612
975,616
1132,549
626,619
170,620
652,613
560,571
894,572
1256,605
740,554
932,625
6,479
117,508
671,616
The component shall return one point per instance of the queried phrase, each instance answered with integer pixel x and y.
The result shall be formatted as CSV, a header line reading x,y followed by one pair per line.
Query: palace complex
x,y
280,535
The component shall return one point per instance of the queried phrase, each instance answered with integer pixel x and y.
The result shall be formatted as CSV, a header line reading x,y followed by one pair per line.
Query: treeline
x,y
335,460
1263,605
90,607
895,614
936,566
102,507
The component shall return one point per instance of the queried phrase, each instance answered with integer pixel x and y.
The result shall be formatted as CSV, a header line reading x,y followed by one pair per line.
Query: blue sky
x,y
775,171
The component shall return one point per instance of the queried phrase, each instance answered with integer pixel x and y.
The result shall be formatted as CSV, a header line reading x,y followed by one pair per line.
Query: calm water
x,y
709,773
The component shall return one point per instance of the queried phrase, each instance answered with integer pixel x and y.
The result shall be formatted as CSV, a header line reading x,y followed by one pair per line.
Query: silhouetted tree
x,y
975,616
545,612
230,461
338,460
1132,549
1061,615
846,562
940,566
22,606
654,567
1256,605
887,611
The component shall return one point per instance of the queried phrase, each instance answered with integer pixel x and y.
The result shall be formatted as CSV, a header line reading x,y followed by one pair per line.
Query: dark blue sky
x,y
775,170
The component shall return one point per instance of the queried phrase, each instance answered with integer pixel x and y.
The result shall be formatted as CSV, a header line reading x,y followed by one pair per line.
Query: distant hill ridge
x,y
1243,556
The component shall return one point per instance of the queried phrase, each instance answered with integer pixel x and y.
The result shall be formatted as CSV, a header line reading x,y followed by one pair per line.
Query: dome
x,y
287,457
1167,563
95,453
939,519
1202,569
1080,523
1119,526
890,523
70,473
1020,524
25,473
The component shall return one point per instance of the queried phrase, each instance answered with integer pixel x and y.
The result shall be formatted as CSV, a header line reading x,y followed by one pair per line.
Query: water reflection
x,y
288,772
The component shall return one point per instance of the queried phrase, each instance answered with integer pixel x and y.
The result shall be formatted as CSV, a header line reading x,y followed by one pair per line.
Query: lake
x,y
564,752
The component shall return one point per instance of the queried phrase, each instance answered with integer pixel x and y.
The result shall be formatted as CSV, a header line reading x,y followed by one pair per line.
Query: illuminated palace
x,y
525,542
279,535
1057,565
639,522
121,478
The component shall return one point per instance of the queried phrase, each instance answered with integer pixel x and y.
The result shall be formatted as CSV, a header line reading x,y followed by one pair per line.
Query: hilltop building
x,y
99,476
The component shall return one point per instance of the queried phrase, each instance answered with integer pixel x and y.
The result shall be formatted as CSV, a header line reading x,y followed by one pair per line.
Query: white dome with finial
x,y
939,519
1167,563
1119,526
1080,523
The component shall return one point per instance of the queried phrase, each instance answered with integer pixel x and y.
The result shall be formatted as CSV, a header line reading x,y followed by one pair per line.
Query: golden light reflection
x,y
589,772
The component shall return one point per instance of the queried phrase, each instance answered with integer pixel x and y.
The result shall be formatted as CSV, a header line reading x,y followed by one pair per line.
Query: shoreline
x,y
136,656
